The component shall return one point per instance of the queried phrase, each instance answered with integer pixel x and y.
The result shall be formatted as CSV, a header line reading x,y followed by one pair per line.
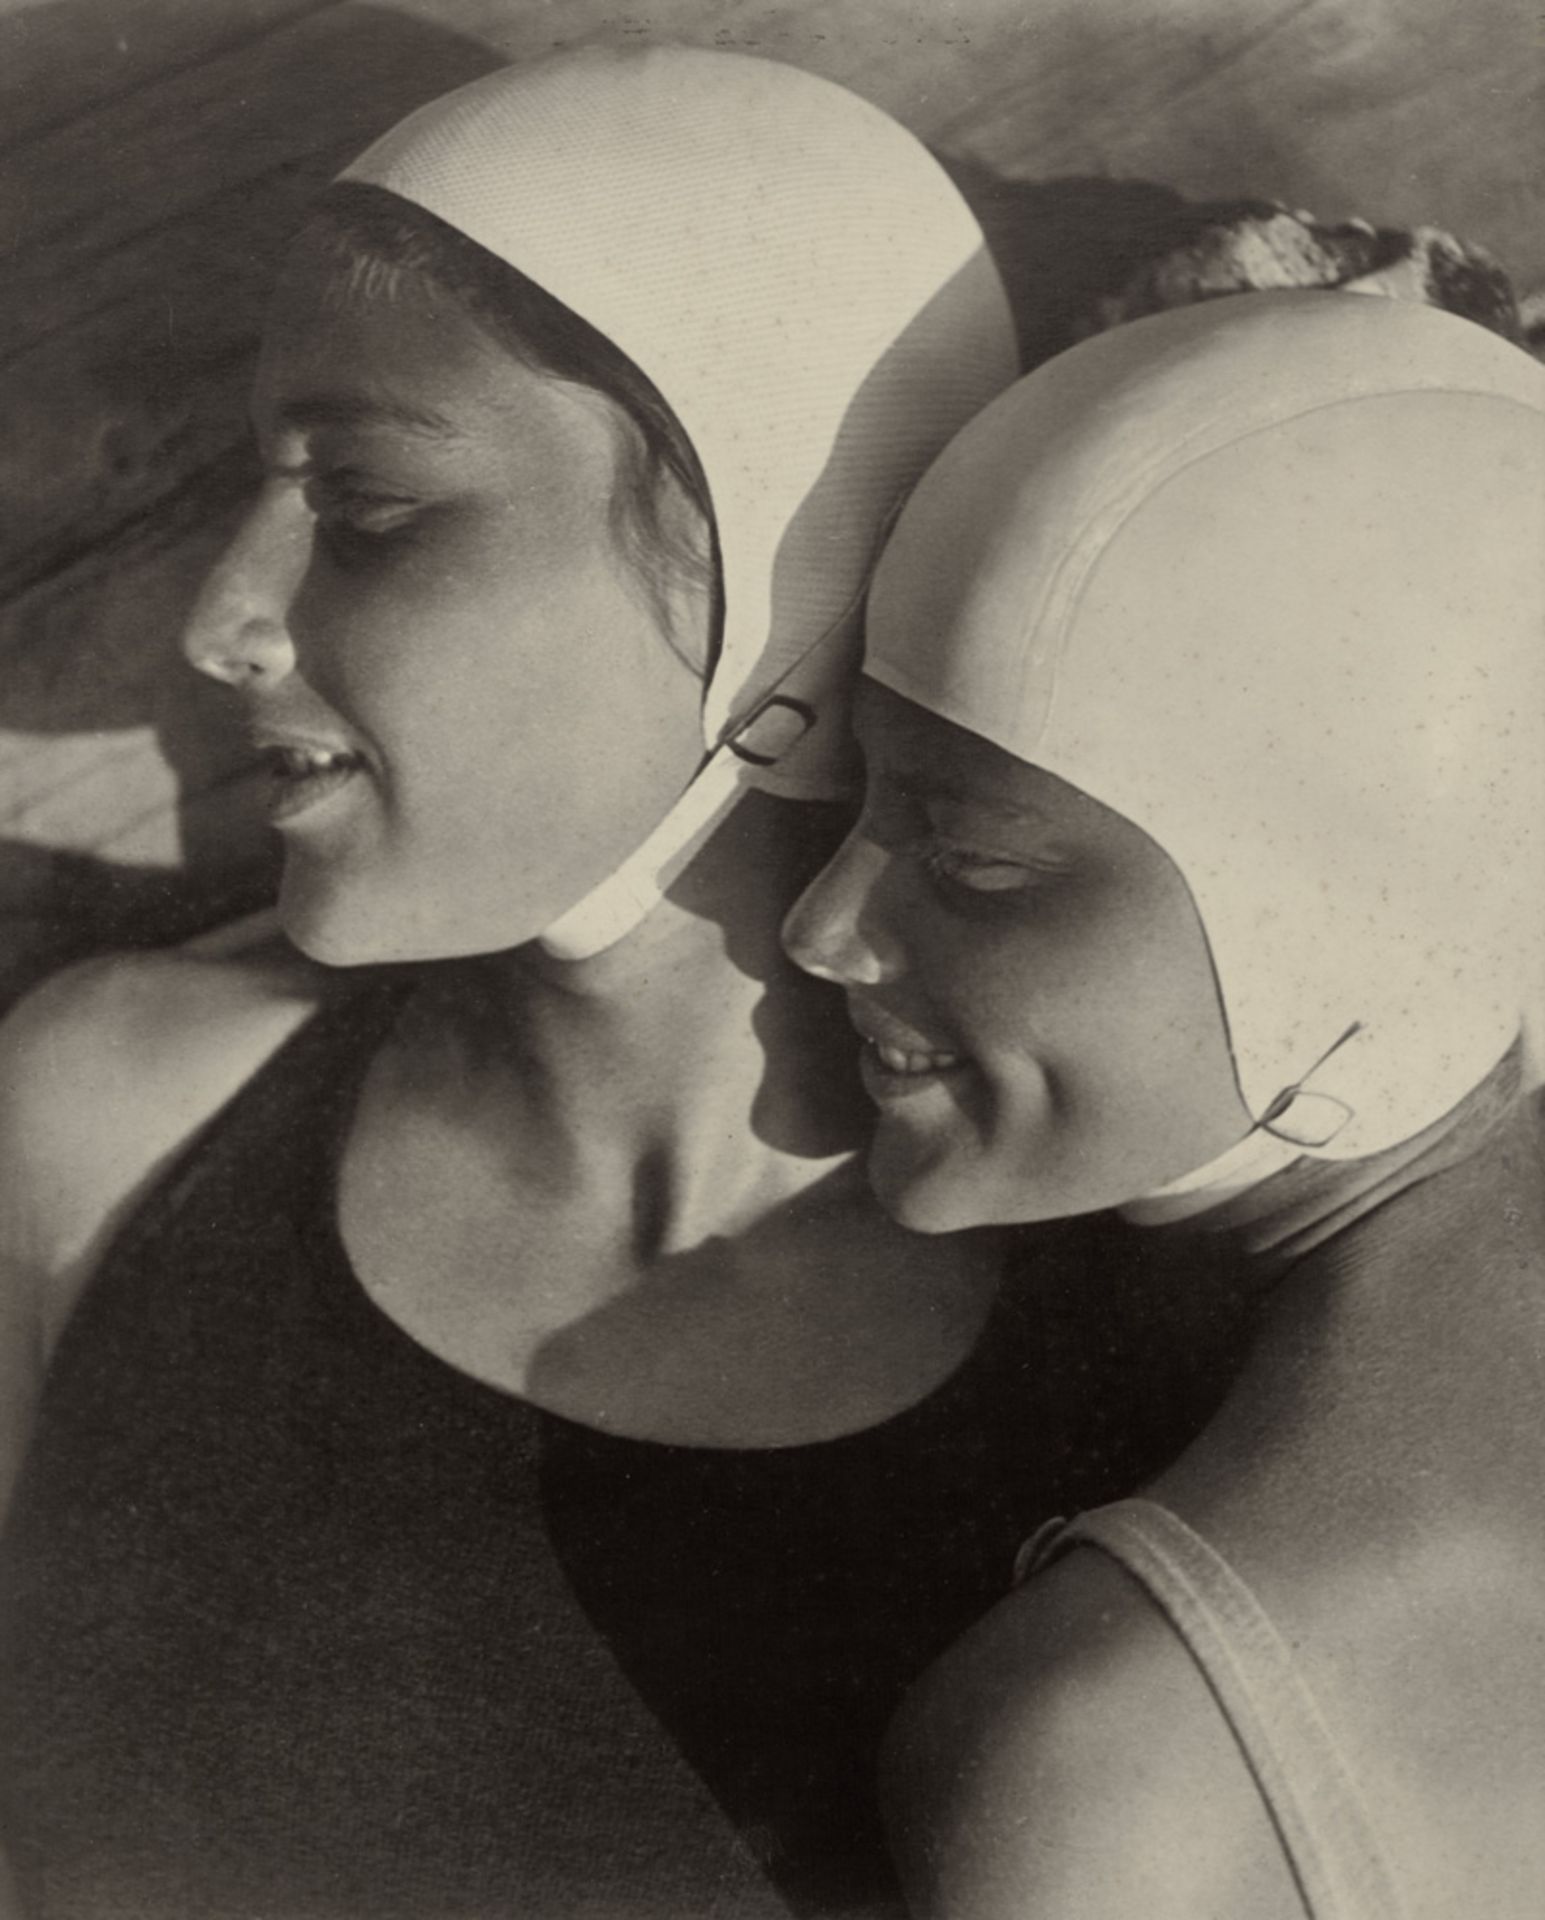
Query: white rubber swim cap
x,y
803,284
1267,577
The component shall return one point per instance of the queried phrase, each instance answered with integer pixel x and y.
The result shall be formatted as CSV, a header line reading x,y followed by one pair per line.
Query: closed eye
x,y
982,872
342,498
363,510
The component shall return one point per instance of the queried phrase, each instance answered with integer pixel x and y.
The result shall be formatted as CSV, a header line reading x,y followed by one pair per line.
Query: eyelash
x,y
942,860
348,517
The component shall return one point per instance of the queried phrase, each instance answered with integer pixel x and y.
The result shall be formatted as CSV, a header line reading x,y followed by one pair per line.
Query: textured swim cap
x,y
803,284
1267,577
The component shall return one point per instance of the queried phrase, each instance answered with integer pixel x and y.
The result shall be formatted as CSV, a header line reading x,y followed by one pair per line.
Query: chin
x,y
341,922
337,931
926,1193
321,938
941,1186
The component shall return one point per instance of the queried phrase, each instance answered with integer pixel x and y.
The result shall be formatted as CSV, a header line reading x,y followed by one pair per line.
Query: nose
x,y
238,631
836,929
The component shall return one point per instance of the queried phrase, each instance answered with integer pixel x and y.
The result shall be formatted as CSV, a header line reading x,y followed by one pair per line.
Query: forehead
x,y
931,757
345,347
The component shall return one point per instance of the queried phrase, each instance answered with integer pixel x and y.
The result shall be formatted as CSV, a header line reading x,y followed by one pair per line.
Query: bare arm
x,y
1065,1761
106,1071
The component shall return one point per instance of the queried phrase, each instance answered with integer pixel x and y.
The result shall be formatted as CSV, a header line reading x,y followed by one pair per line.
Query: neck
x,y
692,1046
1392,1378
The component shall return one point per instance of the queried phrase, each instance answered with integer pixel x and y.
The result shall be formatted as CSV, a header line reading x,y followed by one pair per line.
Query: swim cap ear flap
x,y
1309,665
1296,1122
793,742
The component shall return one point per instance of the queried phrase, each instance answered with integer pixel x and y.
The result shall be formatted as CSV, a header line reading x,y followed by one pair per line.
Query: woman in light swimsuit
x,y
1200,876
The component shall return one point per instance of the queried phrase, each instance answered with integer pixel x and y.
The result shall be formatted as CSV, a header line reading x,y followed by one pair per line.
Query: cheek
x,y
1122,1031
1006,991
461,637
528,734
1092,1037
369,632
1070,1044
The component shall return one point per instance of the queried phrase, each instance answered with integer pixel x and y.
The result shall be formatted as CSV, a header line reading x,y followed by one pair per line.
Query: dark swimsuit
x,y
302,1623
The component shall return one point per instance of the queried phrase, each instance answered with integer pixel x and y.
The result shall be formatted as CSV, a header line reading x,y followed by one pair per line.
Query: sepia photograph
x,y
772,960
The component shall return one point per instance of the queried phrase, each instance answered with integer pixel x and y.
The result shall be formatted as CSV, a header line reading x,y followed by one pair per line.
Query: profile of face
x,y
1043,1032
470,701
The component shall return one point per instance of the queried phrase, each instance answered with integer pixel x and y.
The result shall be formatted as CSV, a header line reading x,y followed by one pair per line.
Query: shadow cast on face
x,y
759,862
1059,247
153,176
154,172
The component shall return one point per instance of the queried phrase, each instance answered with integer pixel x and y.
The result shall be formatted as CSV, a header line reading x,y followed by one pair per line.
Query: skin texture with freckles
x,y
984,911
435,514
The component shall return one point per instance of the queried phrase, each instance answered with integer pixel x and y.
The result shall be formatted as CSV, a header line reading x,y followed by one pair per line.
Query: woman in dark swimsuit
x,y
1200,876
495,1457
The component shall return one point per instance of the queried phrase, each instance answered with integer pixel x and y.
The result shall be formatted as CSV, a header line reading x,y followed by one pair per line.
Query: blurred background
x,y
155,156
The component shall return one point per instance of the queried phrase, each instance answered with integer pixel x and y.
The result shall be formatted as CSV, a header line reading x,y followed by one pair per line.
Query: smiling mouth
x,y
300,776
909,1061
894,1060
892,1075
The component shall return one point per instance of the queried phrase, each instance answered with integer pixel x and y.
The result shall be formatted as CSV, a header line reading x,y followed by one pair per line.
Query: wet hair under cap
x,y
378,237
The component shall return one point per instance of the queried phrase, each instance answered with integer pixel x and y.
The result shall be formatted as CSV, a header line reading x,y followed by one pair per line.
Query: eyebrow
x,y
367,410
930,784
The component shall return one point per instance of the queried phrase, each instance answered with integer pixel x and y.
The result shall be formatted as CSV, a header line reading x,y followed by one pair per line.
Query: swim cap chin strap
x,y
613,909
1296,1121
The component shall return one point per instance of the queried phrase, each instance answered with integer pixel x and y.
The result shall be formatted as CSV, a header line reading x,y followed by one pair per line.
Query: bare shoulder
x,y
110,1066
1066,1759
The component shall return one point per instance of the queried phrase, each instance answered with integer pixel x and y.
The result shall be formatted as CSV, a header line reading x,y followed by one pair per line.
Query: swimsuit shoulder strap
x,y
1327,1837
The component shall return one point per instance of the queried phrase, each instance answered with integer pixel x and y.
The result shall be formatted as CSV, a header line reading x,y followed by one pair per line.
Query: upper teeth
x,y
903,1060
298,760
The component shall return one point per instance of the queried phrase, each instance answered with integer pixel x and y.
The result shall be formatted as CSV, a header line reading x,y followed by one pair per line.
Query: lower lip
x,y
882,1083
291,795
